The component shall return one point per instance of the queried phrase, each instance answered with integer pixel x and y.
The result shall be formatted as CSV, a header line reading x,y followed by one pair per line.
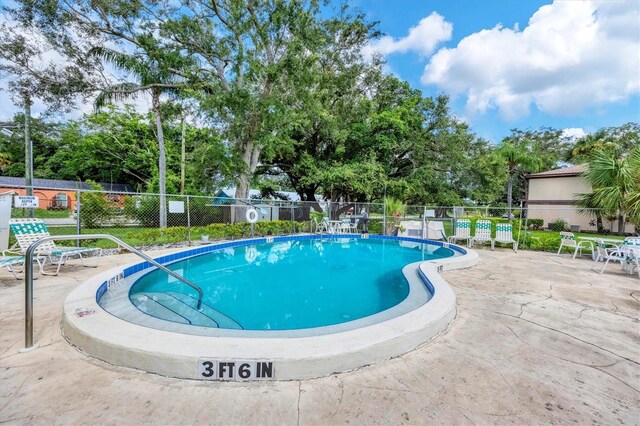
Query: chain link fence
x,y
192,219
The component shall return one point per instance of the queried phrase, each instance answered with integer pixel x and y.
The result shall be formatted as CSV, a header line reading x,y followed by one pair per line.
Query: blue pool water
x,y
297,284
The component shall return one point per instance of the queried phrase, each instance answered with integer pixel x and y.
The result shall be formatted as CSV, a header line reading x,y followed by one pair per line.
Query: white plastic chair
x,y
483,232
631,249
504,234
321,226
28,231
462,232
609,254
344,227
568,239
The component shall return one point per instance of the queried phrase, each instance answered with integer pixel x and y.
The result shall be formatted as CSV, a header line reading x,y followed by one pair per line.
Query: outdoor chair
x,y
483,232
631,249
568,239
28,231
462,232
609,254
344,227
435,230
354,226
504,234
321,226
10,260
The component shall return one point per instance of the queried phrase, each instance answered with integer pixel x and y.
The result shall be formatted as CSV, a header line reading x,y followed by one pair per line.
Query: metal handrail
x,y
28,275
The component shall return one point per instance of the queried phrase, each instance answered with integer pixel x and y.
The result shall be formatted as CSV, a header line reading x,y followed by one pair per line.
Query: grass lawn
x,y
550,240
41,213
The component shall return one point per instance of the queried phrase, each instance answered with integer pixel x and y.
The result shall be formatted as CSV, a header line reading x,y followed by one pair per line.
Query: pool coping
x,y
104,336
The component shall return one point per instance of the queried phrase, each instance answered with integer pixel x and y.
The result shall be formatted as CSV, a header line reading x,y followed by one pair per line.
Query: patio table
x,y
334,226
613,241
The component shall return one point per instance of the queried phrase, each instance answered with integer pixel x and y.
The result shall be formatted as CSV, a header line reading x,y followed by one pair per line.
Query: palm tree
x,y
152,75
518,159
394,210
615,185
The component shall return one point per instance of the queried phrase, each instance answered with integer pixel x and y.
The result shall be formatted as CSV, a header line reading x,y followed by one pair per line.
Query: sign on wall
x,y
176,206
25,202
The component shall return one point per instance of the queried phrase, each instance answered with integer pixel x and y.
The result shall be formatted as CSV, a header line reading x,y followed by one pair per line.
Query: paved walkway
x,y
539,338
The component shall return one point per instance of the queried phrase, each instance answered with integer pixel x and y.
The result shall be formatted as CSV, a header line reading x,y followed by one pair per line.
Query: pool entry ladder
x,y
28,277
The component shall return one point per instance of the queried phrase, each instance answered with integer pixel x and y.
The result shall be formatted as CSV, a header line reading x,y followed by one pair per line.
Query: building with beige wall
x,y
552,195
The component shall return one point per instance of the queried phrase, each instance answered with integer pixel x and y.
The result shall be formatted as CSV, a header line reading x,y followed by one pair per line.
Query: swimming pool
x,y
328,323
286,285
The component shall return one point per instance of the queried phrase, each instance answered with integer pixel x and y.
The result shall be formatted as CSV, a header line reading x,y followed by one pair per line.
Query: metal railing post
x,y
28,299
28,277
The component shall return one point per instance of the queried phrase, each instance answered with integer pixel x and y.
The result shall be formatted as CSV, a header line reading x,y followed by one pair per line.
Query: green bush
x,y
548,241
559,225
535,224
94,208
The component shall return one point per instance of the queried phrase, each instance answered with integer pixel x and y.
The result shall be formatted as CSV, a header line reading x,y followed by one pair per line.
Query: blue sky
x,y
526,64
597,87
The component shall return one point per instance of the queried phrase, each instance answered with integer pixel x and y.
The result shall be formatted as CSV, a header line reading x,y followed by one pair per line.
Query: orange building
x,y
59,194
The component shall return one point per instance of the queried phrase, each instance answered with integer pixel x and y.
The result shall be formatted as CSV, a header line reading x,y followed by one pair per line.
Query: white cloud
x,y
571,55
422,38
573,133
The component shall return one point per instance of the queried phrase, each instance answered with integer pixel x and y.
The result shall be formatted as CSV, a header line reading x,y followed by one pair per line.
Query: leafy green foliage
x,y
559,225
535,224
615,186
94,207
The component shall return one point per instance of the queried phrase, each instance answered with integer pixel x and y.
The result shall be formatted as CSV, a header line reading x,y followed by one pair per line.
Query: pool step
x,y
222,320
149,305
177,307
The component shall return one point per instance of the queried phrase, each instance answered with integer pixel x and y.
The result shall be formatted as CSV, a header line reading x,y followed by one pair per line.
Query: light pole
x,y
28,150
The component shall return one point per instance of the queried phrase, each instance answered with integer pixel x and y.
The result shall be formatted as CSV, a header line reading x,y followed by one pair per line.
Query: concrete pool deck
x,y
538,338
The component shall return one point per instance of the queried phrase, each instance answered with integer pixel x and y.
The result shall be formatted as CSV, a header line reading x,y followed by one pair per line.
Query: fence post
x,y
292,222
526,228
78,226
384,218
188,223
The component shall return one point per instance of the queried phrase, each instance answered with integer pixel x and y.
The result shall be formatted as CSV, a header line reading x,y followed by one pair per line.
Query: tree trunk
x,y
509,189
162,161
250,155
621,224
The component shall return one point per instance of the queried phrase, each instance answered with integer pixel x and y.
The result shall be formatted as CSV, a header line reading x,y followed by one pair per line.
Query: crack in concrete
x,y
522,305
467,417
341,385
565,333
299,392
599,368
596,367
395,390
17,390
